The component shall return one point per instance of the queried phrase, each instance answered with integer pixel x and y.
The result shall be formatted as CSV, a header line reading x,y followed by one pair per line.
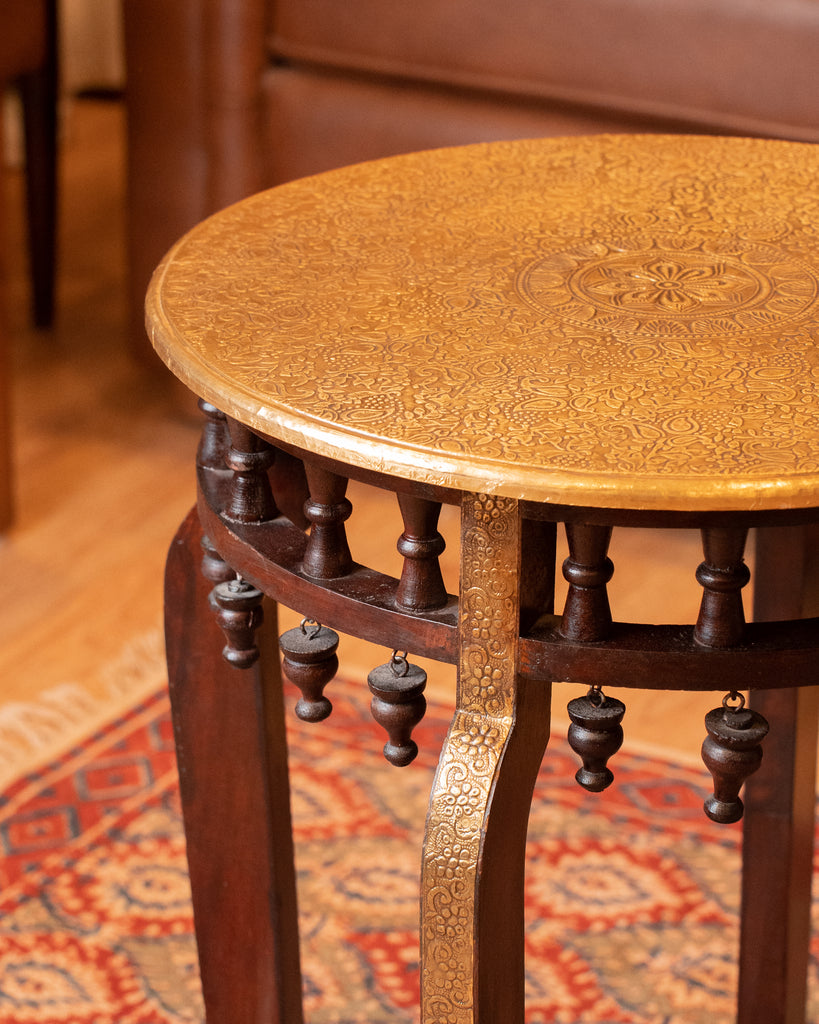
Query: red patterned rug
x,y
632,895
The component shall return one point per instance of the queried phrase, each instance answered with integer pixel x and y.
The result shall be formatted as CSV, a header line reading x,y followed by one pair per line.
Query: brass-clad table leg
x,y
473,863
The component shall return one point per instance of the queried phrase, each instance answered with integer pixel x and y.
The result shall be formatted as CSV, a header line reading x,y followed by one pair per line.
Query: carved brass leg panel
x,y
472,875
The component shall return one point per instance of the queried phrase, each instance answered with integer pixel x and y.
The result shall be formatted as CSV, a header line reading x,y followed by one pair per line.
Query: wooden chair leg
x,y
780,800
38,92
232,756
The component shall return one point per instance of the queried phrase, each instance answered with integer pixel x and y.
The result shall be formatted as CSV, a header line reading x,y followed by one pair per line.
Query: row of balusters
x,y
327,556
732,748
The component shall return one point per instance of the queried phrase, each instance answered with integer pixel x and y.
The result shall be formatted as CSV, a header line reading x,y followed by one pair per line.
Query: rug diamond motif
x,y
631,895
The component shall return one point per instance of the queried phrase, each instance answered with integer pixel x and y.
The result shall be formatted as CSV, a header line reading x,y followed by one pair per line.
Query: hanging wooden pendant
x,y
731,753
309,660
398,705
239,613
595,734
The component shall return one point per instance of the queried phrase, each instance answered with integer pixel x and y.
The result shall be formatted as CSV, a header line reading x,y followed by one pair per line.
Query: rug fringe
x,y
32,732
141,661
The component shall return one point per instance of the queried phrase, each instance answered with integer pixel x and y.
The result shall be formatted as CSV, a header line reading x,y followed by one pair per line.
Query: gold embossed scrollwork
x,y
471,758
663,353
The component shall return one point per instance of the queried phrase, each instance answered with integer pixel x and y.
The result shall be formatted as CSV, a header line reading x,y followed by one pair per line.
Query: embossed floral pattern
x,y
509,317
668,284
477,744
471,758
686,286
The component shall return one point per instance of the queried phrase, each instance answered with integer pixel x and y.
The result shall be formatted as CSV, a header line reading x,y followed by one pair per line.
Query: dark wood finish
x,y
537,584
668,518
773,656
731,752
596,735
362,603
250,457
214,567
232,756
778,828
421,587
214,442
722,575
289,482
327,555
38,91
587,570
309,661
500,894
398,705
238,606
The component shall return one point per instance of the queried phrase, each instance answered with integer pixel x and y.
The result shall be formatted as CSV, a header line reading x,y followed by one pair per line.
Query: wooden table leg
x,y
473,863
232,756
780,799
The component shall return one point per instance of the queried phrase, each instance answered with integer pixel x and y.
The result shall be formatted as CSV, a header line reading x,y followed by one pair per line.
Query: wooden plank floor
x,y
104,453
100,453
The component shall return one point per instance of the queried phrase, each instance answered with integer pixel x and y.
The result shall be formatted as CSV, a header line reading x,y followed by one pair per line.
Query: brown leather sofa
x,y
229,96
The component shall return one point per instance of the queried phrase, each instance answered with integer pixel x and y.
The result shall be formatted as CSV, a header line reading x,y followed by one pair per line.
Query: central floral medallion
x,y
663,287
668,283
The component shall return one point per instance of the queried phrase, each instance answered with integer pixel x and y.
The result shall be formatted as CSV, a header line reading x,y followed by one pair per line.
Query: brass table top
x,y
612,321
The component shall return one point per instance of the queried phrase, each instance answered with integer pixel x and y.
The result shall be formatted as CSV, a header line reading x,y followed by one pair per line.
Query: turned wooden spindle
x,y
398,705
239,613
595,735
250,499
214,440
214,567
731,752
309,661
327,556
421,587
587,570
722,575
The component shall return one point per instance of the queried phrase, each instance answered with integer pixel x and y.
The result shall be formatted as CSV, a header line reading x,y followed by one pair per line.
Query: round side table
x,y
599,332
